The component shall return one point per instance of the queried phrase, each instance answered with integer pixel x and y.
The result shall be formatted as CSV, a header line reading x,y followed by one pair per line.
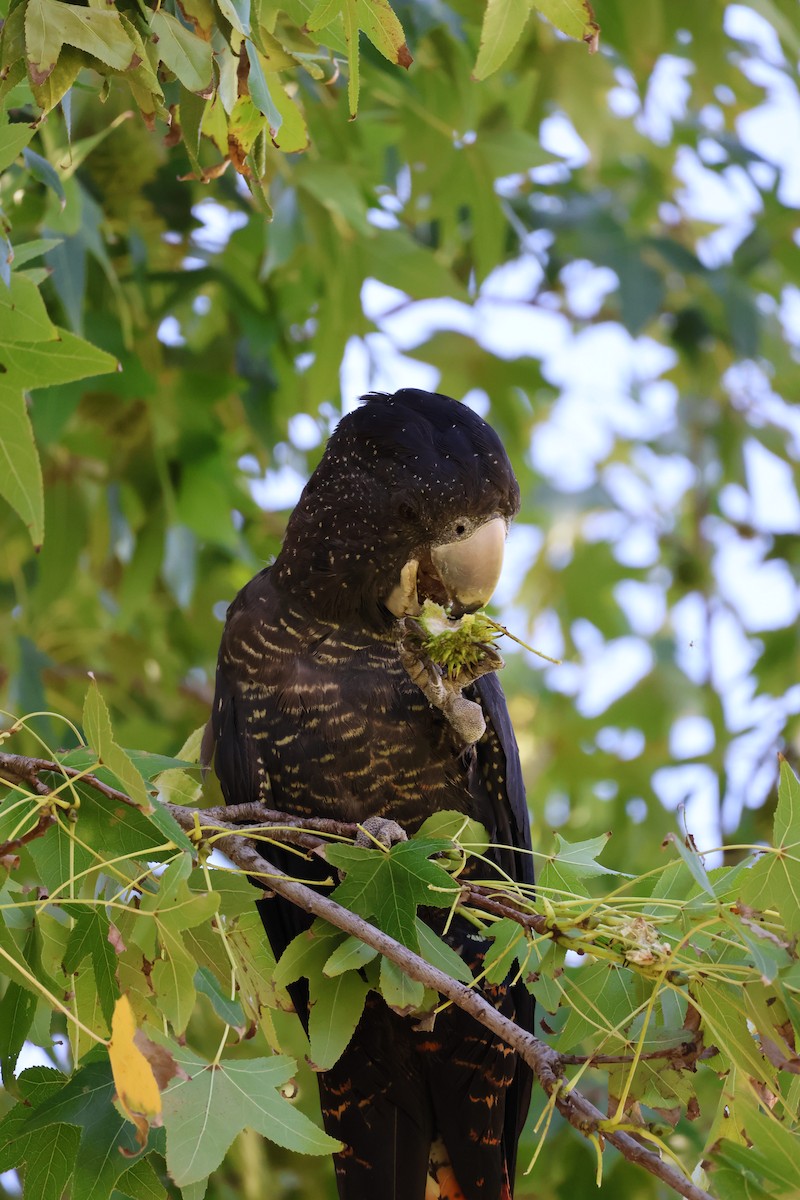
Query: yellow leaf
x,y
137,1090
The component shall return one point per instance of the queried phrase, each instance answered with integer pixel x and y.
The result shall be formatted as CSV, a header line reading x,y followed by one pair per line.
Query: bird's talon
x,y
378,831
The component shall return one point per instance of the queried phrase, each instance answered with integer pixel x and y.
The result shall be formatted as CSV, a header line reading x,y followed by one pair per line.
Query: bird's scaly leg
x,y
381,831
465,716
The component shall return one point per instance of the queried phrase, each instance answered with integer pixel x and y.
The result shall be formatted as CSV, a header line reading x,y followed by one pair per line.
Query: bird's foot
x,y
464,716
377,831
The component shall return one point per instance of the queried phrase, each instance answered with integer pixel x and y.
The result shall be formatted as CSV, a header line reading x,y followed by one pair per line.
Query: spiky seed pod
x,y
457,646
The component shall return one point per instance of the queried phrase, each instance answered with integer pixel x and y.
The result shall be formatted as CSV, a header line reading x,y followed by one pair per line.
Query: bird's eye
x,y
461,530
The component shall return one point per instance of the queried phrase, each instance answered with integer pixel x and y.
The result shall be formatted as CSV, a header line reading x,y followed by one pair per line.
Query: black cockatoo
x,y
322,708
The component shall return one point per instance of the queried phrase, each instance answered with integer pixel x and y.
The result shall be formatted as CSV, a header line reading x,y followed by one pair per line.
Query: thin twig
x,y
23,769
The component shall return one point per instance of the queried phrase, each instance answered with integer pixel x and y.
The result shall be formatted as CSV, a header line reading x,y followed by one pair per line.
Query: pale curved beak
x,y
470,569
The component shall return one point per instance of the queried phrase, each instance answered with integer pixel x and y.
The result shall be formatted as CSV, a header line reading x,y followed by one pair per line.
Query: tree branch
x,y
546,1063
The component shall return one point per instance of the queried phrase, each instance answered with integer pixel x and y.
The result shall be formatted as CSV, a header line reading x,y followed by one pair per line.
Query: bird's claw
x,y
379,831
465,717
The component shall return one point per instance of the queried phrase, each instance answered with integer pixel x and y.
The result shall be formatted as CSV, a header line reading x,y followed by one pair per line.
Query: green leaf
x,y
349,956
694,862
380,24
38,1084
260,91
45,173
81,939
128,827
581,857
774,883
12,960
20,471
186,55
90,936
97,726
120,829
228,1010
245,124
204,1113
108,1143
23,316
573,17
15,1146
350,18
59,856
293,133
238,13
194,1191
51,23
721,1006
306,954
336,190
52,1165
321,15
149,765
336,1007
163,819
17,1009
13,140
173,980
377,24
503,24
599,1002
456,827
255,965
172,909
61,361
511,151
82,1100
572,863
389,887
60,80
140,1182
400,993
509,942
437,952
105,1153
770,1152
786,827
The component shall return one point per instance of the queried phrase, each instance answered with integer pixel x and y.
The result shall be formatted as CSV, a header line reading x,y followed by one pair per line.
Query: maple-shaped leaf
x,y
388,887
204,1112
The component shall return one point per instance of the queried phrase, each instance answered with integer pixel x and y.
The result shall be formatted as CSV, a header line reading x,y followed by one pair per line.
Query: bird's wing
x,y
506,783
508,796
232,741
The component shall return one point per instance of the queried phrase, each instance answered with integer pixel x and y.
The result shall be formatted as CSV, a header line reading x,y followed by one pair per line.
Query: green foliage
x,y
640,487
678,990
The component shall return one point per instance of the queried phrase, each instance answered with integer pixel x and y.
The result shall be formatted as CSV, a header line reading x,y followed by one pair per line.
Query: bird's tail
x,y
442,1183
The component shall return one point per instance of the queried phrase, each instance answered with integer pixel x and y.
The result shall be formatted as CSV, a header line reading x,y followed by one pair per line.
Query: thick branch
x,y
267,823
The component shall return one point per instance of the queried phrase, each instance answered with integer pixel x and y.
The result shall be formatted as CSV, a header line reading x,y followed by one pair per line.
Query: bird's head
x,y
412,500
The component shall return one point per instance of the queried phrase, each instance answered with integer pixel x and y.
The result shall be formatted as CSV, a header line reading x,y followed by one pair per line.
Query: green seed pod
x,y
456,646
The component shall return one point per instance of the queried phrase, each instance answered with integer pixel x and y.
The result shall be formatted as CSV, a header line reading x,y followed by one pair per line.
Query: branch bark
x,y
547,1064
